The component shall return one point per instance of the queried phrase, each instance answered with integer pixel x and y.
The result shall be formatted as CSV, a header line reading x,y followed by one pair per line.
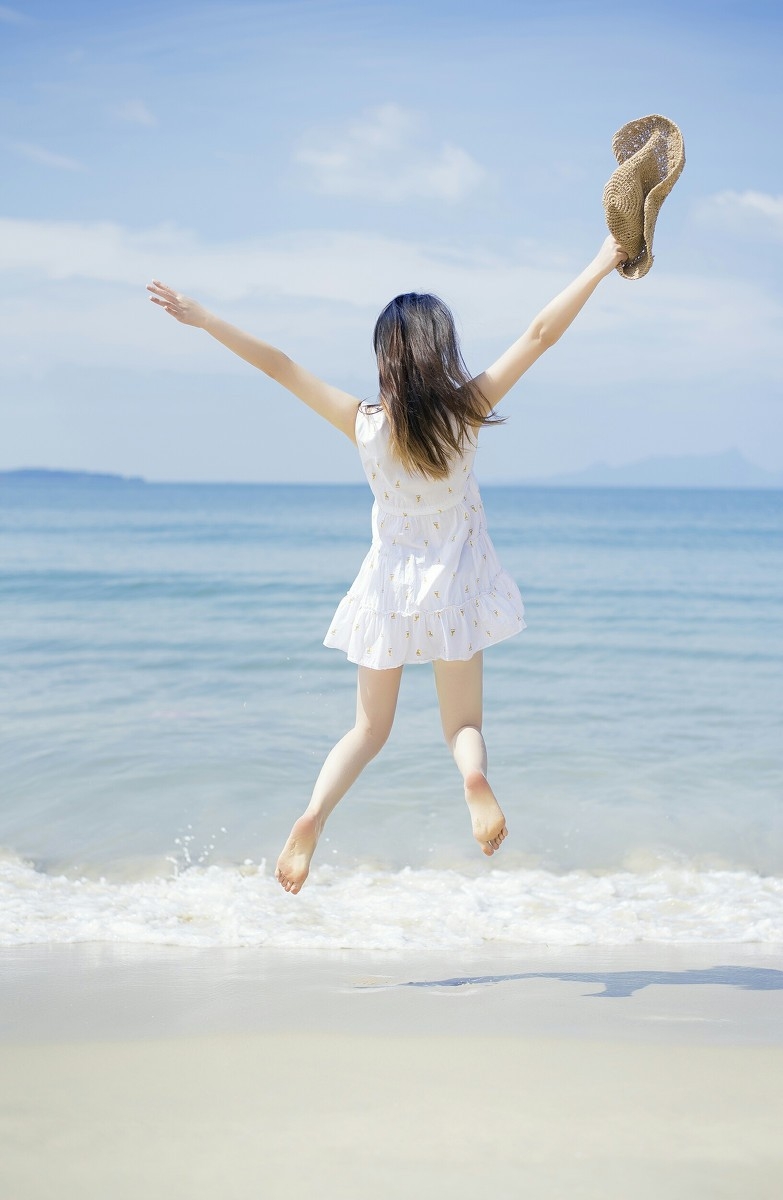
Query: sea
x,y
166,703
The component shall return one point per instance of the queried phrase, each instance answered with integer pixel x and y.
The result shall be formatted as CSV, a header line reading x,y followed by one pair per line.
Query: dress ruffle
x,y
455,633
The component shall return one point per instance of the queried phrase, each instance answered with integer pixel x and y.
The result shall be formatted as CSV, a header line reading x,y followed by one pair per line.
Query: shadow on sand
x,y
625,983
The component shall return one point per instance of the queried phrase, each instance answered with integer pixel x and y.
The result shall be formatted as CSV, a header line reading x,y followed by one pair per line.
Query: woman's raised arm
x,y
550,324
334,405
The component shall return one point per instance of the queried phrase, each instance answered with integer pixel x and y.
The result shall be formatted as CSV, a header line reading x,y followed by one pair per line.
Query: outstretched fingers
x,y
186,311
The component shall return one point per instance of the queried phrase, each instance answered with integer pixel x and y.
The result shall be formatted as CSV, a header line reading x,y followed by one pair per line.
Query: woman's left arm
x,y
549,326
334,405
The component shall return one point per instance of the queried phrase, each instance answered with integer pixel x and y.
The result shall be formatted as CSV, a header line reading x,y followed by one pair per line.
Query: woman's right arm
x,y
550,325
331,403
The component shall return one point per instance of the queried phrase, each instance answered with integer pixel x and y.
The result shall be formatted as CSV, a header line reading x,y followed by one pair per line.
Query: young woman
x,y
431,588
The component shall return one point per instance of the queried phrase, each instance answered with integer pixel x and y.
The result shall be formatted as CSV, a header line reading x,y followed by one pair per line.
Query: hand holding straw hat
x,y
651,155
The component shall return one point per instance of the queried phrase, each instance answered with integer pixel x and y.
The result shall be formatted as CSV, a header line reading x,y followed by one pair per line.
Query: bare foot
x,y
293,864
489,824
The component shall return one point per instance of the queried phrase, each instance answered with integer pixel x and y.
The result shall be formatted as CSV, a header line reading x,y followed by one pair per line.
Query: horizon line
x,y
550,482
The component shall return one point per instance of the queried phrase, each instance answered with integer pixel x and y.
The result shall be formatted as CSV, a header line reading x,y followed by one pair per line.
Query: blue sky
x,y
294,165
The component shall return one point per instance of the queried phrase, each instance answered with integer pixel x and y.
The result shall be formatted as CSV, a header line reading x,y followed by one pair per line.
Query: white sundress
x,y
431,586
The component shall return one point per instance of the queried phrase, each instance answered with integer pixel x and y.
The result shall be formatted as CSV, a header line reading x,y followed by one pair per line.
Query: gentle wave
x,y
371,909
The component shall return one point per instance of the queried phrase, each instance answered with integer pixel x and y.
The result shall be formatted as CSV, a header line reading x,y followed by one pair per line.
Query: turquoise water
x,y
166,701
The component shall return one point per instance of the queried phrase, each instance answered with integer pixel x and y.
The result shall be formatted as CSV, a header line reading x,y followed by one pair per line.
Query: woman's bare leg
x,y
376,703
460,696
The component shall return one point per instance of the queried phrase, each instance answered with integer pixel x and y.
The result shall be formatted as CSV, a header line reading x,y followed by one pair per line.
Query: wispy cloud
x,y
46,158
384,155
747,214
11,17
135,112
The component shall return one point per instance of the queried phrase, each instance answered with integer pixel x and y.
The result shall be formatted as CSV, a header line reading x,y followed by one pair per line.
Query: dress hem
x,y
421,658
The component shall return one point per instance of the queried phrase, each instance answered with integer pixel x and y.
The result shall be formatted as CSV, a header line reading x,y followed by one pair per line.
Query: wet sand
x,y
595,1071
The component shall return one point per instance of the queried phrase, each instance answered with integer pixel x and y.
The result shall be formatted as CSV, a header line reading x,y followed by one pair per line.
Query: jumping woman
x,y
431,588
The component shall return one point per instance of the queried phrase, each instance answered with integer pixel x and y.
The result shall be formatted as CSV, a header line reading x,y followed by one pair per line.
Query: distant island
x,y
727,470
47,475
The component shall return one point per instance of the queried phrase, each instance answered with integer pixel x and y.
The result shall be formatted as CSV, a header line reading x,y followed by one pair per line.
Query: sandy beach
x,y
585,1072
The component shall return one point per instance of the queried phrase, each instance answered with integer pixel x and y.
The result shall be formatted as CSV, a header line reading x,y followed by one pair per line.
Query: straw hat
x,y
651,155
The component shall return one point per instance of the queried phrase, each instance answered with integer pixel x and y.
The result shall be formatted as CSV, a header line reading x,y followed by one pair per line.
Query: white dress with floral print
x,y
431,586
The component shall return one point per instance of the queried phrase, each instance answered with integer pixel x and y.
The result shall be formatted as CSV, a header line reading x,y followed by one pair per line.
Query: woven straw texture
x,y
651,155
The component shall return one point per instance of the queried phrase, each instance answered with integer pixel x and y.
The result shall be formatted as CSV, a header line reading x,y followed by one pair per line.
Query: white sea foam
x,y
371,909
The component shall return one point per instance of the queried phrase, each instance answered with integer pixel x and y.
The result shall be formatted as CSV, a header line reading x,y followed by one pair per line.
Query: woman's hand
x,y
188,311
610,255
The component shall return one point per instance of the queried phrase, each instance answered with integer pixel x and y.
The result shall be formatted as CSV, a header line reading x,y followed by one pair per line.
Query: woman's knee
x,y
374,736
451,733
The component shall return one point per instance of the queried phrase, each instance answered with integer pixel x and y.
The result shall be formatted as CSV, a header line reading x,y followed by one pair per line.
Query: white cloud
x,y
384,156
75,292
136,112
750,213
46,158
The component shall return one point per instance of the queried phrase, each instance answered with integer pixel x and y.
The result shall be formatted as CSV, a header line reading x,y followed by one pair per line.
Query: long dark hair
x,y
425,387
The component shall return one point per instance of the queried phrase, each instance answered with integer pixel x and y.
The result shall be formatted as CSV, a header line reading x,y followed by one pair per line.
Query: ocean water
x,y
166,702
